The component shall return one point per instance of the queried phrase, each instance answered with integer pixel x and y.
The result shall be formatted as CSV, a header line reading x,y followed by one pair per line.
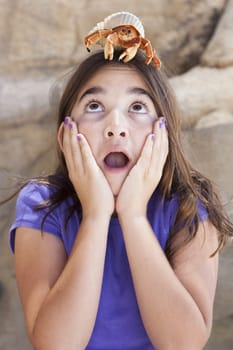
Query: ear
x,y
60,136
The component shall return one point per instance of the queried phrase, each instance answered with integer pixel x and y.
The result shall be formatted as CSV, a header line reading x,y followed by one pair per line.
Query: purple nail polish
x,y
79,137
152,136
70,126
66,121
162,122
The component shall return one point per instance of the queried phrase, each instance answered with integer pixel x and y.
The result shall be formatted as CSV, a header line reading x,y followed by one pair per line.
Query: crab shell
x,y
110,25
117,19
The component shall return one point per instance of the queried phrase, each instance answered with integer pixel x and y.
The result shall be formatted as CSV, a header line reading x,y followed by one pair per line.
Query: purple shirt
x,y
118,324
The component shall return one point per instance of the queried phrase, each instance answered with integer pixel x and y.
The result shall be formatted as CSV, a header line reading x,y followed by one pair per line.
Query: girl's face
x,y
115,112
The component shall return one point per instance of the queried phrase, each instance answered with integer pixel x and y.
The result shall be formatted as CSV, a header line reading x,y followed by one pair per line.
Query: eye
x,y
94,107
139,108
129,31
123,30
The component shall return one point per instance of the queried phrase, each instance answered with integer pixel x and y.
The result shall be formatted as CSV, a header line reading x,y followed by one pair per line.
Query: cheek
x,y
92,135
140,138
84,129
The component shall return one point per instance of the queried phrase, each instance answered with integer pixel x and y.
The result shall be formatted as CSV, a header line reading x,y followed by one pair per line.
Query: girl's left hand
x,y
145,176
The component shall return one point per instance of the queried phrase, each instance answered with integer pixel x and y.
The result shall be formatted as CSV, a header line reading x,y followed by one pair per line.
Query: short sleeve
x,y
162,215
202,211
173,208
28,216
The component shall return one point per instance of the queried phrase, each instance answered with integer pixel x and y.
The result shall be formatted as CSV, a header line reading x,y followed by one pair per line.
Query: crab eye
x,y
129,31
124,30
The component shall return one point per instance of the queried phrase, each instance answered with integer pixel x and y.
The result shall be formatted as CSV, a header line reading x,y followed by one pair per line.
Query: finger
x,y
71,147
146,154
65,137
74,144
88,159
164,140
160,148
66,146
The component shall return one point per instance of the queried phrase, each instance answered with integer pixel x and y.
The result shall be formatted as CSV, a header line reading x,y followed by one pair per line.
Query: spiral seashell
x,y
117,19
98,26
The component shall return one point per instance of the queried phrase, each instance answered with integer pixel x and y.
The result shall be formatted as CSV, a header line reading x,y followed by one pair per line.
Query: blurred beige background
x,y
41,40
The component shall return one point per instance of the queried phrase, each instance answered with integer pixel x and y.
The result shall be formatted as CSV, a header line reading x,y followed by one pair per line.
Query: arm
x,y
175,301
60,296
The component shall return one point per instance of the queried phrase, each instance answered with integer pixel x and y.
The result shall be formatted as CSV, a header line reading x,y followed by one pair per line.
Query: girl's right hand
x,y
87,178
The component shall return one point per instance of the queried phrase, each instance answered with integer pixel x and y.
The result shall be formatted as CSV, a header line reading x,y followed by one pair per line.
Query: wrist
x,y
96,216
131,211
97,221
133,225
132,216
97,211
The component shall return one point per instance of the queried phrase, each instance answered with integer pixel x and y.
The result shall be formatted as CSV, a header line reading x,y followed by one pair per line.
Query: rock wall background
x,y
40,41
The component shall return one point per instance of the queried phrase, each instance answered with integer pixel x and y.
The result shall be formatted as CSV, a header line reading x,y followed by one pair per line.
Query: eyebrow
x,y
98,89
139,91
91,91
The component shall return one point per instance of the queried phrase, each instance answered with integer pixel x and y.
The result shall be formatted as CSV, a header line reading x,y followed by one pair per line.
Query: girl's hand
x,y
145,176
87,178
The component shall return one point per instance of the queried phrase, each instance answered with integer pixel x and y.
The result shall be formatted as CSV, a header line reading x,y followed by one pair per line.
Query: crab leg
x,y
150,53
93,38
111,41
156,60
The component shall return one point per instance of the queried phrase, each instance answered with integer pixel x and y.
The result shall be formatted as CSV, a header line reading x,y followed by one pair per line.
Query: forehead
x,y
115,77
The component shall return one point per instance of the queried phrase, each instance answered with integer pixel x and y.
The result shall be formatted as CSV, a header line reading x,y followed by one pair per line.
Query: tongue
x,y
116,160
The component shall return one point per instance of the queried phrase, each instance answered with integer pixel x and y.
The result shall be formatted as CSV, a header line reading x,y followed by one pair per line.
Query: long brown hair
x,y
178,175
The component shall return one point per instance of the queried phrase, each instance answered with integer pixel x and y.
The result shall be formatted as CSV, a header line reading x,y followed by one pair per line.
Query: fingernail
x,y
70,125
162,122
79,137
165,122
152,136
66,121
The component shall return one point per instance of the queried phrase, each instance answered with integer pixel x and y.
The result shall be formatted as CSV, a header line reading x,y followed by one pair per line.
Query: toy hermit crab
x,y
122,30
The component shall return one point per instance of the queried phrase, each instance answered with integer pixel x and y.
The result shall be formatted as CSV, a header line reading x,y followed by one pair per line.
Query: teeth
x,y
120,18
116,160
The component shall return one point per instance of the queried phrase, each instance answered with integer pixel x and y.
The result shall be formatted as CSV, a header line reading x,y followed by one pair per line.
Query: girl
x,y
128,255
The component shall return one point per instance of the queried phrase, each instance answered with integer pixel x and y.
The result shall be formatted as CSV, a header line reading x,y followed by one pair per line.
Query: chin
x,y
116,187
115,190
116,181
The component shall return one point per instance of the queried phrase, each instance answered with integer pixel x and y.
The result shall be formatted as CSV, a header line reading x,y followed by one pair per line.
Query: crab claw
x,y
129,53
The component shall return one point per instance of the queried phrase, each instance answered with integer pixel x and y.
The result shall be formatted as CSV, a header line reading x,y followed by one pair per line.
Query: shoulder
x,y
34,209
165,207
39,199
162,214
35,192
169,207
41,195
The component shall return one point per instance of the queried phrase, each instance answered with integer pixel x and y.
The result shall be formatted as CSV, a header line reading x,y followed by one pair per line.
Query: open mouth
x,y
116,160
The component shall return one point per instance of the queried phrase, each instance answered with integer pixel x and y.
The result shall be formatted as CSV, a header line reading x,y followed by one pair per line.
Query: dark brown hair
x,y
178,175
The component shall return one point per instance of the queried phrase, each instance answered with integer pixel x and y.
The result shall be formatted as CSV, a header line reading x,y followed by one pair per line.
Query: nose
x,y
116,126
114,132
